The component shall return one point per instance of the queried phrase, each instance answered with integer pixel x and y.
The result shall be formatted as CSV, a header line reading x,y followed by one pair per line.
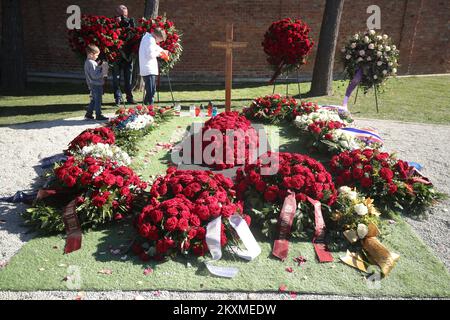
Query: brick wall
x,y
419,28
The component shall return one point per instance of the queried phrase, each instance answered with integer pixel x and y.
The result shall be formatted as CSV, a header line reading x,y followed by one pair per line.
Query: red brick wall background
x,y
420,28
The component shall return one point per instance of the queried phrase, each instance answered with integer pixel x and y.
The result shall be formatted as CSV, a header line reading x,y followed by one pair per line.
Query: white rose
x,y
380,47
387,48
379,63
394,47
353,45
371,46
390,64
362,53
362,230
394,70
356,36
385,36
379,37
372,32
375,77
360,209
344,189
359,59
366,39
379,53
348,57
384,72
369,58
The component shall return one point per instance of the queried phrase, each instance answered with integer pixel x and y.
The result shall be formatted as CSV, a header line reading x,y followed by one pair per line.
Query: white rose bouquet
x,y
372,53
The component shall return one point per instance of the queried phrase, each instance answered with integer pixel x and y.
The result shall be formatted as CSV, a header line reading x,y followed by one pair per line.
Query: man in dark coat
x,y
125,64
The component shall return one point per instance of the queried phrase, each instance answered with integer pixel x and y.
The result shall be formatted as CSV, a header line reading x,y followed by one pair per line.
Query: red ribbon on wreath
x,y
70,219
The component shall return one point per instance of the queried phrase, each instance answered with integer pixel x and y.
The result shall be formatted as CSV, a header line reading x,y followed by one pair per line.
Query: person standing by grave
x,y
149,51
95,74
125,64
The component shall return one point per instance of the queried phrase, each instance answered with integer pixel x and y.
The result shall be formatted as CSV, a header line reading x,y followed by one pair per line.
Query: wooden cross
x,y
228,45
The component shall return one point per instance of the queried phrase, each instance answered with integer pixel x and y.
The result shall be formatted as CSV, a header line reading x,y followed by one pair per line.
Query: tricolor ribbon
x,y
366,135
319,234
213,233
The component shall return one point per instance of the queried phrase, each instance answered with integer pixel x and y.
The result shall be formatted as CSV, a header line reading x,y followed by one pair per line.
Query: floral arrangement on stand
x,y
287,44
372,53
132,124
392,183
102,31
241,144
264,194
112,39
180,205
172,43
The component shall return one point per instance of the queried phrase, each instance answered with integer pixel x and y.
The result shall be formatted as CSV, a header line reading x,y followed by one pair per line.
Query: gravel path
x,y
22,146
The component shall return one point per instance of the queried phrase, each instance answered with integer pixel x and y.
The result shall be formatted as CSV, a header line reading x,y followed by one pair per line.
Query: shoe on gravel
x,y
101,118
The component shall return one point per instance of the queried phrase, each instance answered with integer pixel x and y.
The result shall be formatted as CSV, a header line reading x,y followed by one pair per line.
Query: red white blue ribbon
x,y
367,135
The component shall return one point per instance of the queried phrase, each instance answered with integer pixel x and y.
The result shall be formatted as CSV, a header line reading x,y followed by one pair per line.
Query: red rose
x,y
366,182
358,173
183,224
156,216
392,188
386,174
201,233
171,224
202,212
271,194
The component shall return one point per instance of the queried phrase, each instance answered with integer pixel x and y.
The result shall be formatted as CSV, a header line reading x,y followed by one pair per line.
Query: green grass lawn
x,y
418,99
41,264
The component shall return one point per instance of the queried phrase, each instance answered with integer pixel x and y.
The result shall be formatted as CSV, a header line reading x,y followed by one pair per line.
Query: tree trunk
x,y
13,70
150,11
151,8
323,68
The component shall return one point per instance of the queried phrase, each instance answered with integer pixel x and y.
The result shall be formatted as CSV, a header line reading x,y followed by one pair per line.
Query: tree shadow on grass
x,y
11,111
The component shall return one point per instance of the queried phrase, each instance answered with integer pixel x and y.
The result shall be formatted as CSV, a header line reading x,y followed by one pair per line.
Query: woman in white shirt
x,y
149,51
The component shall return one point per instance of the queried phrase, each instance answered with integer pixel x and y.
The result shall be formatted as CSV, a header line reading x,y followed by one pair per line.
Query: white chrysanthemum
x,y
106,151
362,230
140,122
360,209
